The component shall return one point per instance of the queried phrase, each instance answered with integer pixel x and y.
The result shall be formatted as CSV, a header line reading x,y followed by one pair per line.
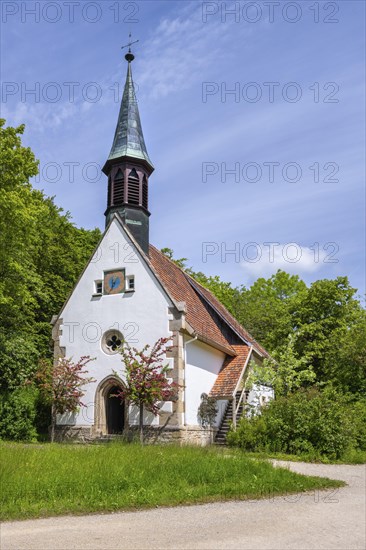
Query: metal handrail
x,y
236,406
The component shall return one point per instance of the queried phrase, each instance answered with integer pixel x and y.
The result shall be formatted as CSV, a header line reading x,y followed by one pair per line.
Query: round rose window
x,y
112,341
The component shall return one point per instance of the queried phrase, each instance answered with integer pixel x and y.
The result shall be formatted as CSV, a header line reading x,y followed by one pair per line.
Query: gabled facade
x,y
129,290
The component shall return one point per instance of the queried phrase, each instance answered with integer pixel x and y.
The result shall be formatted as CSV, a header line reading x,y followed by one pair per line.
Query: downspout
x,y
185,364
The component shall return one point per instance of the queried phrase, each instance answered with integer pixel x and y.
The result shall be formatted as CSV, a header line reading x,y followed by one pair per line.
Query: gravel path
x,y
324,520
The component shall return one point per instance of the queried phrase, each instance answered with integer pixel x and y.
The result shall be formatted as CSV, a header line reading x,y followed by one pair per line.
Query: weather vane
x,y
129,56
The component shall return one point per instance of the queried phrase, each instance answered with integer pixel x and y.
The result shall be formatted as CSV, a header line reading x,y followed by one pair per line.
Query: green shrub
x,y
309,422
252,433
42,421
17,414
358,419
18,360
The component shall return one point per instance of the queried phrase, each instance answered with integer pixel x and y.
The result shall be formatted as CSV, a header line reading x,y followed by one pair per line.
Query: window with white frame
x,y
130,283
98,287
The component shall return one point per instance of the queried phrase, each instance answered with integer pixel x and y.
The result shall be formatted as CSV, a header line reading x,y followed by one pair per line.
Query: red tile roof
x,y
228,318
230,373
178,286
209,319
206,315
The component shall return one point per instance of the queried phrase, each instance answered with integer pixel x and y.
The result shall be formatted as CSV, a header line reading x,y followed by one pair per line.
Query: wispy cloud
x,y
39,116
179,48
263,260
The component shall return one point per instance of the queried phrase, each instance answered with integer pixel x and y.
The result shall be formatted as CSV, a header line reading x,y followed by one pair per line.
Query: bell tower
x,y
129,167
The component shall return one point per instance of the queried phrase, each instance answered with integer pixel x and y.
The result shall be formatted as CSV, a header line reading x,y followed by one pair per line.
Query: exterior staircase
x,y
220,438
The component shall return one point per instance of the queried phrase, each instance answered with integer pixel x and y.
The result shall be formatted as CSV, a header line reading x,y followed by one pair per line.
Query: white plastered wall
x,y
142,316
203,364
259,395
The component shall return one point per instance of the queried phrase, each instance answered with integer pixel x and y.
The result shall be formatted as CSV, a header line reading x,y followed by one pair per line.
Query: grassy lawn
x,y
50,479
352,457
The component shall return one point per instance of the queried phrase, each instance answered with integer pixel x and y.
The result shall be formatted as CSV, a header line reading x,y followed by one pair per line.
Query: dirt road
x,y
324,520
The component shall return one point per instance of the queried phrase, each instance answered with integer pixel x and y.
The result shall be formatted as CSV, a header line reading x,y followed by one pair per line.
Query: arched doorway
x,y
114,411
110,412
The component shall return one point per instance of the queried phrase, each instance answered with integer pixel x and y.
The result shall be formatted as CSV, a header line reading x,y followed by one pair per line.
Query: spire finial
x,y
129,56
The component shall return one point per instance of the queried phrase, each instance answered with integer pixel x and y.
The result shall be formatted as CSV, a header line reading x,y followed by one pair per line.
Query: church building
x,y
131,291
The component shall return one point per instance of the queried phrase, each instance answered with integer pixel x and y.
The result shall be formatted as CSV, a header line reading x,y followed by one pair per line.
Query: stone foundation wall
x,y
189,435
77,434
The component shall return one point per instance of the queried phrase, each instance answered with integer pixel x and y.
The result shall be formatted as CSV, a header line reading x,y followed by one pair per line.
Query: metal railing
x,y
236,405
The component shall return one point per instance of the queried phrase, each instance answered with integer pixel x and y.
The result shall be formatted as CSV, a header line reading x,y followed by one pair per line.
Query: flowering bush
x,y
146,381
61,385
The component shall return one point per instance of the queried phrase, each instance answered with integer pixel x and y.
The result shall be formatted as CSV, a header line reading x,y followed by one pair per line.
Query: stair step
x,y
227,419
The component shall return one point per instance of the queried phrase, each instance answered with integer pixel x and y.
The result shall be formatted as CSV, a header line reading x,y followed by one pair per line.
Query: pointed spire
x,y
128,138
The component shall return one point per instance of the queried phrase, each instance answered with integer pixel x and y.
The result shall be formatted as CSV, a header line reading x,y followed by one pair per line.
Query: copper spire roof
x,y
128,138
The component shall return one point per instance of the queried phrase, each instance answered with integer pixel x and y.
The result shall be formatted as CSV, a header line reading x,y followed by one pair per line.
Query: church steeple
x,y
129,167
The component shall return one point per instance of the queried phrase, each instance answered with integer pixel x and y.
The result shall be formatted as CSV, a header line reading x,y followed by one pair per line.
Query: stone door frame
x,y
100,417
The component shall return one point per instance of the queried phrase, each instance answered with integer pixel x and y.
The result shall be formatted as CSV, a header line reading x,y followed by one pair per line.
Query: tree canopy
x,y
316,332
41,255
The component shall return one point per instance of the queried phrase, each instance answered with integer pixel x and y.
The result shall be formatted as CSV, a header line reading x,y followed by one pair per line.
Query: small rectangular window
x,y
98,287
131,283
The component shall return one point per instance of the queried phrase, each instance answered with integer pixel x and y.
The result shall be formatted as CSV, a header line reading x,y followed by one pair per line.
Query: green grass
x,y
51,479
353,456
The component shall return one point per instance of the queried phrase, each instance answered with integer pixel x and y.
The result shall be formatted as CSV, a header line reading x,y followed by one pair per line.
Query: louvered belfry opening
x,y
109,196
145,202
133,188
118,188
134,193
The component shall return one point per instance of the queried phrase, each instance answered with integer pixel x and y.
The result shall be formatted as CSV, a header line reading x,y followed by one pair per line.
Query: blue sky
x,y
292,130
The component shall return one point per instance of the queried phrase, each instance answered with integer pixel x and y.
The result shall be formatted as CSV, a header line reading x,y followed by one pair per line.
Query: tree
x,y
42,254
268,306
146,379
285,372
345,361
18,361
326,311
61,385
